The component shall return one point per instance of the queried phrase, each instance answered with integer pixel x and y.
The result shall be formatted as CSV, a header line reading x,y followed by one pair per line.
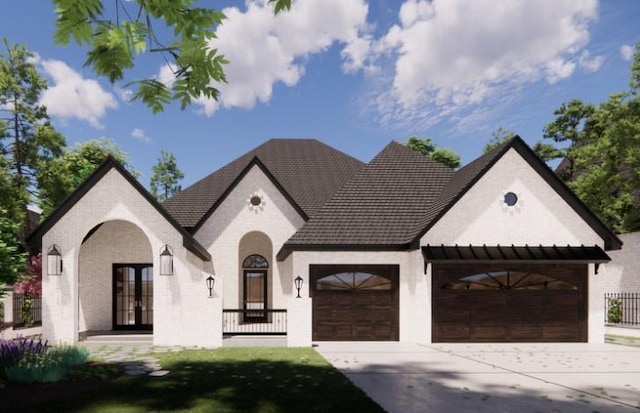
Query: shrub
x,y
614,311
12,351
27,361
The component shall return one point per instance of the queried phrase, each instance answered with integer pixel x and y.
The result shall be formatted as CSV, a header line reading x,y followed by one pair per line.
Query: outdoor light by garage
x,y
166,261
54,260
210,283
298,282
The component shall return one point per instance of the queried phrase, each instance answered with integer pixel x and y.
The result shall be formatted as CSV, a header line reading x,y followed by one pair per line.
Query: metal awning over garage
x,y
521,254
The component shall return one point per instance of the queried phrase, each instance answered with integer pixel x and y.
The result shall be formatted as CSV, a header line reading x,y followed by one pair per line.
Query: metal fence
x,y
254,322
622,309
27,310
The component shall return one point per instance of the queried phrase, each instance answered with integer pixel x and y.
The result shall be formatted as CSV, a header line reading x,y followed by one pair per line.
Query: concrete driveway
x,y
404,377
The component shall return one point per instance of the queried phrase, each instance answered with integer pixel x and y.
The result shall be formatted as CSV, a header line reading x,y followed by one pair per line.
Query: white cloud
x,y
265,50
445,56
140,135
626,51
73,97
124,94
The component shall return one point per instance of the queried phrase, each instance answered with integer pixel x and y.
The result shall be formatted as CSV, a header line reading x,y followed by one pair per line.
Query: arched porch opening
x,y
115,279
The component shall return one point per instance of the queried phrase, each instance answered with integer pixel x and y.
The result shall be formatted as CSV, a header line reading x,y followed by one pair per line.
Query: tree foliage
x,y
498,137
166,176
27,139
12,261
116,38
428,148
63,174
545,151
600,146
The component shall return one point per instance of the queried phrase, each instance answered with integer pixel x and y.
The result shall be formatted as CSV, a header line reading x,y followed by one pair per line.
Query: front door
x,y
132,296
255,295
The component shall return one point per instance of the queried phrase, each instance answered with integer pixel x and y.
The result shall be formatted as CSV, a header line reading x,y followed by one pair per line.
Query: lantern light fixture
x,y
210,284
54,260
298,281
166,261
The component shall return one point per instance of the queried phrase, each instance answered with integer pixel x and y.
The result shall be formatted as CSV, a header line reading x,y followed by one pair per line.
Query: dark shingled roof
x,y
380,206
309,171
395,199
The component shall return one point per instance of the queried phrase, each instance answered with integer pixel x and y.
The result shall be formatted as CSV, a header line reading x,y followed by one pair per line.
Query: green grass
x,y
228,380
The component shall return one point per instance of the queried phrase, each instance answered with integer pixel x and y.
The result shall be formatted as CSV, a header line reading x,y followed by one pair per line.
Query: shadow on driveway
x,y
405,377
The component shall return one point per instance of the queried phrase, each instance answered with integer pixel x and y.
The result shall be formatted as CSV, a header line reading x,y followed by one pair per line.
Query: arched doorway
x,y
255,276
115,278
255,269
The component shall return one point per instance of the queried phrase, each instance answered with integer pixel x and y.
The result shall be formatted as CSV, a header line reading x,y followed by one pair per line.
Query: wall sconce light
x,y
54,260
210,283
166,261
298,282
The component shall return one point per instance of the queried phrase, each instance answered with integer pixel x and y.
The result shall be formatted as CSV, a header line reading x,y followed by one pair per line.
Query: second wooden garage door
x,y
509,303
355,302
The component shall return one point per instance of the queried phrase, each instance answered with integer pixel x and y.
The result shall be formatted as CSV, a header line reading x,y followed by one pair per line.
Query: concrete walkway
x,y
404,377
133,352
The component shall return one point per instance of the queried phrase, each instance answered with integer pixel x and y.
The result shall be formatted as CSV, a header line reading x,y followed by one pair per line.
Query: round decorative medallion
x,y
255,200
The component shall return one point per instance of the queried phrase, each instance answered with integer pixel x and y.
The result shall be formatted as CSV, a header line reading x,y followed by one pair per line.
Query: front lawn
x,y
227,380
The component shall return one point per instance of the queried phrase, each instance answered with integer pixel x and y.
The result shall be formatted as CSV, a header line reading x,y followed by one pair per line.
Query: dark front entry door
x,y
255,295
132,296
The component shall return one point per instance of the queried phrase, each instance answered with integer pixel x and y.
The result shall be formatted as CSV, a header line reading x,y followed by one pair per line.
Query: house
x,y
400,249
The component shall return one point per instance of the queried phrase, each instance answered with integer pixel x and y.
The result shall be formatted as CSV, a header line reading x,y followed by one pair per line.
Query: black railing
x,y
254,322
27,310
622,309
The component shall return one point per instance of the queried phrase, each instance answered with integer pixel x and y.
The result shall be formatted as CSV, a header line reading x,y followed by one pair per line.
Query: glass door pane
x,y
255,295
125,284
146,296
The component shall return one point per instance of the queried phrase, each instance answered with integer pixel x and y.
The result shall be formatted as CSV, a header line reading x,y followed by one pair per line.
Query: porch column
x,y
60,298
299,322
212,332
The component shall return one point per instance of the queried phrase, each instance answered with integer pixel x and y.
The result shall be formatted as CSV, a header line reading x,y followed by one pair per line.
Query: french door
x,y
255,295
132,296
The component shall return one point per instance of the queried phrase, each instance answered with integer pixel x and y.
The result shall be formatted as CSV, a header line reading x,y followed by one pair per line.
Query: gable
x,y
541,214
116,181
308,171
235,215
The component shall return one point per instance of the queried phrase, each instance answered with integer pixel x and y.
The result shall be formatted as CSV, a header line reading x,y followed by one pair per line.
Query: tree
x,y
27,139
545,151
429,149
11,259
116,40
63,174
166,174
600,145
498,137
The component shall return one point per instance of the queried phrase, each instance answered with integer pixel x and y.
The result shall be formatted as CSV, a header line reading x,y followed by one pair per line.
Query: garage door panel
x,y
453,330
491,333
475,302
527,332
365,309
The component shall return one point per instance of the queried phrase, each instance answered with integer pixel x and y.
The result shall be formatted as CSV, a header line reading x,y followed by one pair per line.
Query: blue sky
x,y
354,74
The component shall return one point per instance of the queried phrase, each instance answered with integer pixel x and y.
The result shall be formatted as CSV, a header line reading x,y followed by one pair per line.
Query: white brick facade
x,y
237,229
540,217
132,231
622,274
128,218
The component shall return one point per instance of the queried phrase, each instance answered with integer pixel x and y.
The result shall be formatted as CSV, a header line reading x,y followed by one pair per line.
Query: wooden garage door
x,y
355,302
509,303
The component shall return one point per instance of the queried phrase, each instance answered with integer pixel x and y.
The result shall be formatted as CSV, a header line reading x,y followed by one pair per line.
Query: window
x,y
349,281
255,261
508,280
